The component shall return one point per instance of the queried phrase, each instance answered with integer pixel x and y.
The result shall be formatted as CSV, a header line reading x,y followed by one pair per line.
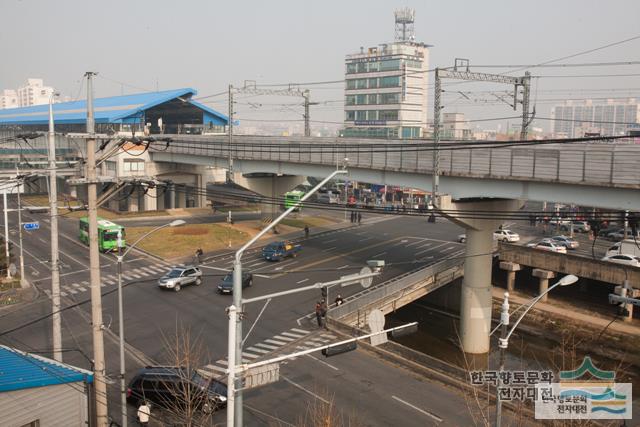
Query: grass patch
x,y
183,241
310,221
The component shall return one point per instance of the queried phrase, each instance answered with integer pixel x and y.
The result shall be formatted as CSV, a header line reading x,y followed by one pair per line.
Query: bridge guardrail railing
x,y
573,163
391,287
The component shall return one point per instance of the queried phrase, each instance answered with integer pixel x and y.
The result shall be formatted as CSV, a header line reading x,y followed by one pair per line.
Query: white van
x,y
627,247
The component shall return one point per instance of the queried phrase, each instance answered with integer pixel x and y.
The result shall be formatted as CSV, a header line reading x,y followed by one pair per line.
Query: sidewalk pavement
x,y
566,312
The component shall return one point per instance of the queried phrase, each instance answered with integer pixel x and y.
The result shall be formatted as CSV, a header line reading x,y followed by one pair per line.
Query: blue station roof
x,y
115,109
20,370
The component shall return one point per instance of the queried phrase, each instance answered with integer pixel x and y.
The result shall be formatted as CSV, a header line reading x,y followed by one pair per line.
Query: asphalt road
x,y
152,315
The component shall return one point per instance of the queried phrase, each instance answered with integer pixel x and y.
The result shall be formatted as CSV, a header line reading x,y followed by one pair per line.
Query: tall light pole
x,y
234,403
503,341
121,255
53,216
20,186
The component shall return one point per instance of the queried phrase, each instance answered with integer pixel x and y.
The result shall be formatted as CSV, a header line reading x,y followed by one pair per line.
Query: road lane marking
x,y
302,281
424,245
330,249
365,239
380,254
422,251
429,414
323,362
214,268
304,389
343,267
280,337
329,241
300,331
289,334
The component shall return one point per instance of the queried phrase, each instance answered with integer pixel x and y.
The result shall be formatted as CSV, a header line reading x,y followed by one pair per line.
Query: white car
x,y
547,245
506,236
625,259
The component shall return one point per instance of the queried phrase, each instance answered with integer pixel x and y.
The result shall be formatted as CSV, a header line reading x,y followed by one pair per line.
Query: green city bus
x,y
292,197
107,234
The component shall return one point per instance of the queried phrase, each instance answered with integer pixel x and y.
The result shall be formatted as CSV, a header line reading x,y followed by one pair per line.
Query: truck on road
x,y
277,251
626,247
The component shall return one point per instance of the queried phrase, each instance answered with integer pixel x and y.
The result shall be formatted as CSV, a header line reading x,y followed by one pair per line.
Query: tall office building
x,y
614,117
386,86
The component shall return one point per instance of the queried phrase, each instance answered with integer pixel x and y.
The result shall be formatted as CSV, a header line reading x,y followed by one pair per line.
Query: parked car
x,y
603,232
565,241
548,245
506,236
226,286
578,227
171,387
277,251
625,259
619,235
180,276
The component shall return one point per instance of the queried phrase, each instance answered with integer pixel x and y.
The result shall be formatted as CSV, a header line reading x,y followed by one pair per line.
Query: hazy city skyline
x,y
142,45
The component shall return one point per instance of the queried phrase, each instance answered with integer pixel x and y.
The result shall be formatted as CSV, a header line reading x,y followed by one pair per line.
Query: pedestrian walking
x,y
144,412
339,300
306,231
359,218
319,314
353,217
199,254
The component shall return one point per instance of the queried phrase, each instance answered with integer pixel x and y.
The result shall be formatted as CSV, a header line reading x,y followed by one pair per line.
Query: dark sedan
x,y
226,286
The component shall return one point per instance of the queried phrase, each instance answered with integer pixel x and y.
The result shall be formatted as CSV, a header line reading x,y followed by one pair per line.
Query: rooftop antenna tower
x,y
405,18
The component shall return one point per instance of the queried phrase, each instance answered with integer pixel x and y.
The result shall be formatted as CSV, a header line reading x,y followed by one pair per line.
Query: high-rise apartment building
x,y
386,86
34,93
614,117
9,99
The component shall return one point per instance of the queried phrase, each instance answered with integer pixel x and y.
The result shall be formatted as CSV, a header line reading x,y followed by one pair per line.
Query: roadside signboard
x,y
261,375
29,226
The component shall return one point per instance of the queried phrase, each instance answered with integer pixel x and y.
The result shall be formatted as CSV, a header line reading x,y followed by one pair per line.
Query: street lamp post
x,y
503,341
234,403
121,255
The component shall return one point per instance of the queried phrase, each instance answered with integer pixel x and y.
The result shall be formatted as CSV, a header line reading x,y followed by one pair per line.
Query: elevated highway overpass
x,y
601,174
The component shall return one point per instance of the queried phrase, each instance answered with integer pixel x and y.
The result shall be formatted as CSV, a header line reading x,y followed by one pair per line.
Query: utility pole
x,y
6,232
526,90
53,217
436,136
230,171
100,386
307,128
20,186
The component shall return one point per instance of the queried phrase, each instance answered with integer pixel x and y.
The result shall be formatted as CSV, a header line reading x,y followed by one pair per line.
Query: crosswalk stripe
x,y
147,269
330,336
108,281
270,347
214,368
270,341
301,331
222,362
250,355
126,277
64,294
77,285
289,334
259,350
85,283
137,276
280,337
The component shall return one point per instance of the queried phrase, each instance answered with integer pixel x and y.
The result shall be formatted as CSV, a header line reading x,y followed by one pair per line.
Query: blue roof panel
x,y
115,109
20,370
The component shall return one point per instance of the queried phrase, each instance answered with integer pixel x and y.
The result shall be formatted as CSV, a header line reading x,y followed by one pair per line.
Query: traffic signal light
x,y
324,291
339,349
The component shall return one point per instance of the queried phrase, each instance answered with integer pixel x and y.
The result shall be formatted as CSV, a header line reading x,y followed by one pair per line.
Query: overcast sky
x,y
207,44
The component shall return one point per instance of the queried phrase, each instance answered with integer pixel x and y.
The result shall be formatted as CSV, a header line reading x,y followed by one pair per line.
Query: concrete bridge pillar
x,y
171,194
475,302
151,199
181,197
543,277
511,268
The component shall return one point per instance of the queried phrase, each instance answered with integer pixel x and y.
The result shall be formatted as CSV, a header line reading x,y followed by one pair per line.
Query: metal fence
x,y
392,287
603,164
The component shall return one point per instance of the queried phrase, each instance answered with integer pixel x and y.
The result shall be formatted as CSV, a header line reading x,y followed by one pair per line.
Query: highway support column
x,y
543,284
511,268
476,301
